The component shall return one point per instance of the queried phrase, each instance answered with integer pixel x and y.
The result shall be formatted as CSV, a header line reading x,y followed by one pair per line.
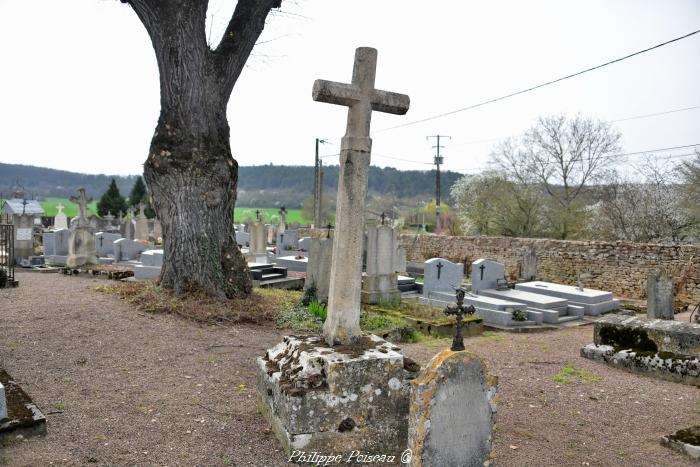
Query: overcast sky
x,y
79,81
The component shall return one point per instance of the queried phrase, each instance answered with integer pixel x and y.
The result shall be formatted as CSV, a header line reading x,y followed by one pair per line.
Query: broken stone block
x,y
333,400
685,441
452,412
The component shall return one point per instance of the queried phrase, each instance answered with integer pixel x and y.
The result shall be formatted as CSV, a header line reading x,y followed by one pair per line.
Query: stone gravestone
x,y
304,243
141,228
126,249
60,221
270,230
318,270
485,274
104,243
288,240
659,295
320,397
380,283
81,244
24,236
56,247
242,238
157,230
440,275
528,269
452,412
258,247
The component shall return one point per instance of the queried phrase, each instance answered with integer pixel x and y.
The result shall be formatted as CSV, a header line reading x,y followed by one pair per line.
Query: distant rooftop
x,y
16,206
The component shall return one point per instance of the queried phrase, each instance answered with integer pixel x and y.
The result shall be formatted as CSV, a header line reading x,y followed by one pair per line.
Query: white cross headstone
x,y
60,221
343,322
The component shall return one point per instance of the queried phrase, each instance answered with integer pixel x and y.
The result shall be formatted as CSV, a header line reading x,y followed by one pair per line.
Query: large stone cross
x,y
60,207
81,200
343,322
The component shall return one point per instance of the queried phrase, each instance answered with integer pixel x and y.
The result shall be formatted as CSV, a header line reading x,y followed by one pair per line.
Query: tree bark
x,y
190,170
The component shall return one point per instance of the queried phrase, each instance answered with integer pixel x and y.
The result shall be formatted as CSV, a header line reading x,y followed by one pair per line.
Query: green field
x,y
71,210
293,215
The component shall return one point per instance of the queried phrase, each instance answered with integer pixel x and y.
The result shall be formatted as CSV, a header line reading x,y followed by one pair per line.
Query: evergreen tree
x,y
138,193
112,201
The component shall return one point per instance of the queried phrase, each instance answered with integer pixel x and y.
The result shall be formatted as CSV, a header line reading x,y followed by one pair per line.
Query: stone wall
x,y
621,267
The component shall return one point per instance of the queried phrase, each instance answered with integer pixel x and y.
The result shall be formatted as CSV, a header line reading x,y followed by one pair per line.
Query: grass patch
x,y
569,373
491,335
261,306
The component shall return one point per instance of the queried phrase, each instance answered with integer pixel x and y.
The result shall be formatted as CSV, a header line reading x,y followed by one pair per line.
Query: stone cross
x,y
81,200
343,322
60,207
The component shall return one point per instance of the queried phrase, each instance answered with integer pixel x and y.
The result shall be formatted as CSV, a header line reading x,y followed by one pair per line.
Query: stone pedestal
x,y
452,412
81,247
334,400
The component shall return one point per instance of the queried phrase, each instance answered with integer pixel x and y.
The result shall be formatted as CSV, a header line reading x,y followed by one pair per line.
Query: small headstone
x,y
257,239
288,240
441,275
60,221
528,270
126,249
304,243
452,412
141,230
380,283
242,238
318,269
104,243
486,274
270,233
157,230
659,295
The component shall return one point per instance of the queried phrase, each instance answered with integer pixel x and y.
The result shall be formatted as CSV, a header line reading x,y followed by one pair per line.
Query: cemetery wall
x,y
621,267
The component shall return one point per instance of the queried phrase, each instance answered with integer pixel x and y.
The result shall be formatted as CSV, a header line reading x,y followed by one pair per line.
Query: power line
x,y
635,117
523,91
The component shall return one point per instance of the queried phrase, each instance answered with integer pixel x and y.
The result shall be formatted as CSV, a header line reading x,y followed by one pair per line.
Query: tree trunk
x,y
190,170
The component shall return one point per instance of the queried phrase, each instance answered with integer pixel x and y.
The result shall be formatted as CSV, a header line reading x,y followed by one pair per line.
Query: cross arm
x,y
390,102
332,92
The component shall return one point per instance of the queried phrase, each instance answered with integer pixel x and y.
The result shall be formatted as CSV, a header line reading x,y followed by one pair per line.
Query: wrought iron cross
x,y
328,232
439,268
257,214
482,267
459,311
383,216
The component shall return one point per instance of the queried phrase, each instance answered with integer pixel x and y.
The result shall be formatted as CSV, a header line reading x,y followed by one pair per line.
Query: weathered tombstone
x,y
129,225
60,221
104,243
157,232
380,283
141,228
151,265
325,398
282,226
441,275
659,295
318,270
288,239
486,274
528,269
258,247
242,238
81,244
452,411
109,227
126,249
270,229
24,238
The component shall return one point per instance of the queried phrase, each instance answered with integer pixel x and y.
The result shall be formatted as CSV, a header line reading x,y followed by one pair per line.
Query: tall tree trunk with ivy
x,y
190,170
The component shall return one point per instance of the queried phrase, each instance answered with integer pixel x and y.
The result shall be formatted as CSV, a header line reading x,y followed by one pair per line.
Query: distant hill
x,y
260,185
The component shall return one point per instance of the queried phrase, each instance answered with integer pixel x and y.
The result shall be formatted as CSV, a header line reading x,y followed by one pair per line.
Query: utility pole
x,y
318,185
437,160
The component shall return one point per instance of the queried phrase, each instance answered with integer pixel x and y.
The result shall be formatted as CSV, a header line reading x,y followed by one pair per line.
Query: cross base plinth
x,y
335,400
81,247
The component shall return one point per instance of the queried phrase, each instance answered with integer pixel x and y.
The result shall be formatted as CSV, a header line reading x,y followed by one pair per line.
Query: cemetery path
x,y
139,389
132,388
592,415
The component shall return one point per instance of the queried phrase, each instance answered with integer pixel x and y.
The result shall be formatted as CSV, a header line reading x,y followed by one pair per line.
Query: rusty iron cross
x,y
328,232
459,311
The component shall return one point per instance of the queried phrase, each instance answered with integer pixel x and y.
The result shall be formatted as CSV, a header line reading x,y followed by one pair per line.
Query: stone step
x,y
408,287
566,319
271,276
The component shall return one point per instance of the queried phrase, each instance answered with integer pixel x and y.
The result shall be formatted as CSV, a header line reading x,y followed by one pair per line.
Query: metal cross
x,y
439,268
482,267
329,227
257,214
459,311
383,216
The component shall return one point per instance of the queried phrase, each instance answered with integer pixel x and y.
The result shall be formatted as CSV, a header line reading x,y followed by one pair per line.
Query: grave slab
x,y
594,302
23,416
441,275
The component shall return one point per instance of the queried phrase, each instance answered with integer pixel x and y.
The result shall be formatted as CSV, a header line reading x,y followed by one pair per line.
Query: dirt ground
x,y
126,388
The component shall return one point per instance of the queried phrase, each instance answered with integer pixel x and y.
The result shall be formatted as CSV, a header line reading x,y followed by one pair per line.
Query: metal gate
x,y
7,255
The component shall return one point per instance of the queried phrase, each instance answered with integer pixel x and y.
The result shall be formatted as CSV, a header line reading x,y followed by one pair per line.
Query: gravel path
x,y
141,389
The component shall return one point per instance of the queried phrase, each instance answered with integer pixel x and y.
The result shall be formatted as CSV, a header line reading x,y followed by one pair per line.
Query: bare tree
x,y
190,170
563,156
